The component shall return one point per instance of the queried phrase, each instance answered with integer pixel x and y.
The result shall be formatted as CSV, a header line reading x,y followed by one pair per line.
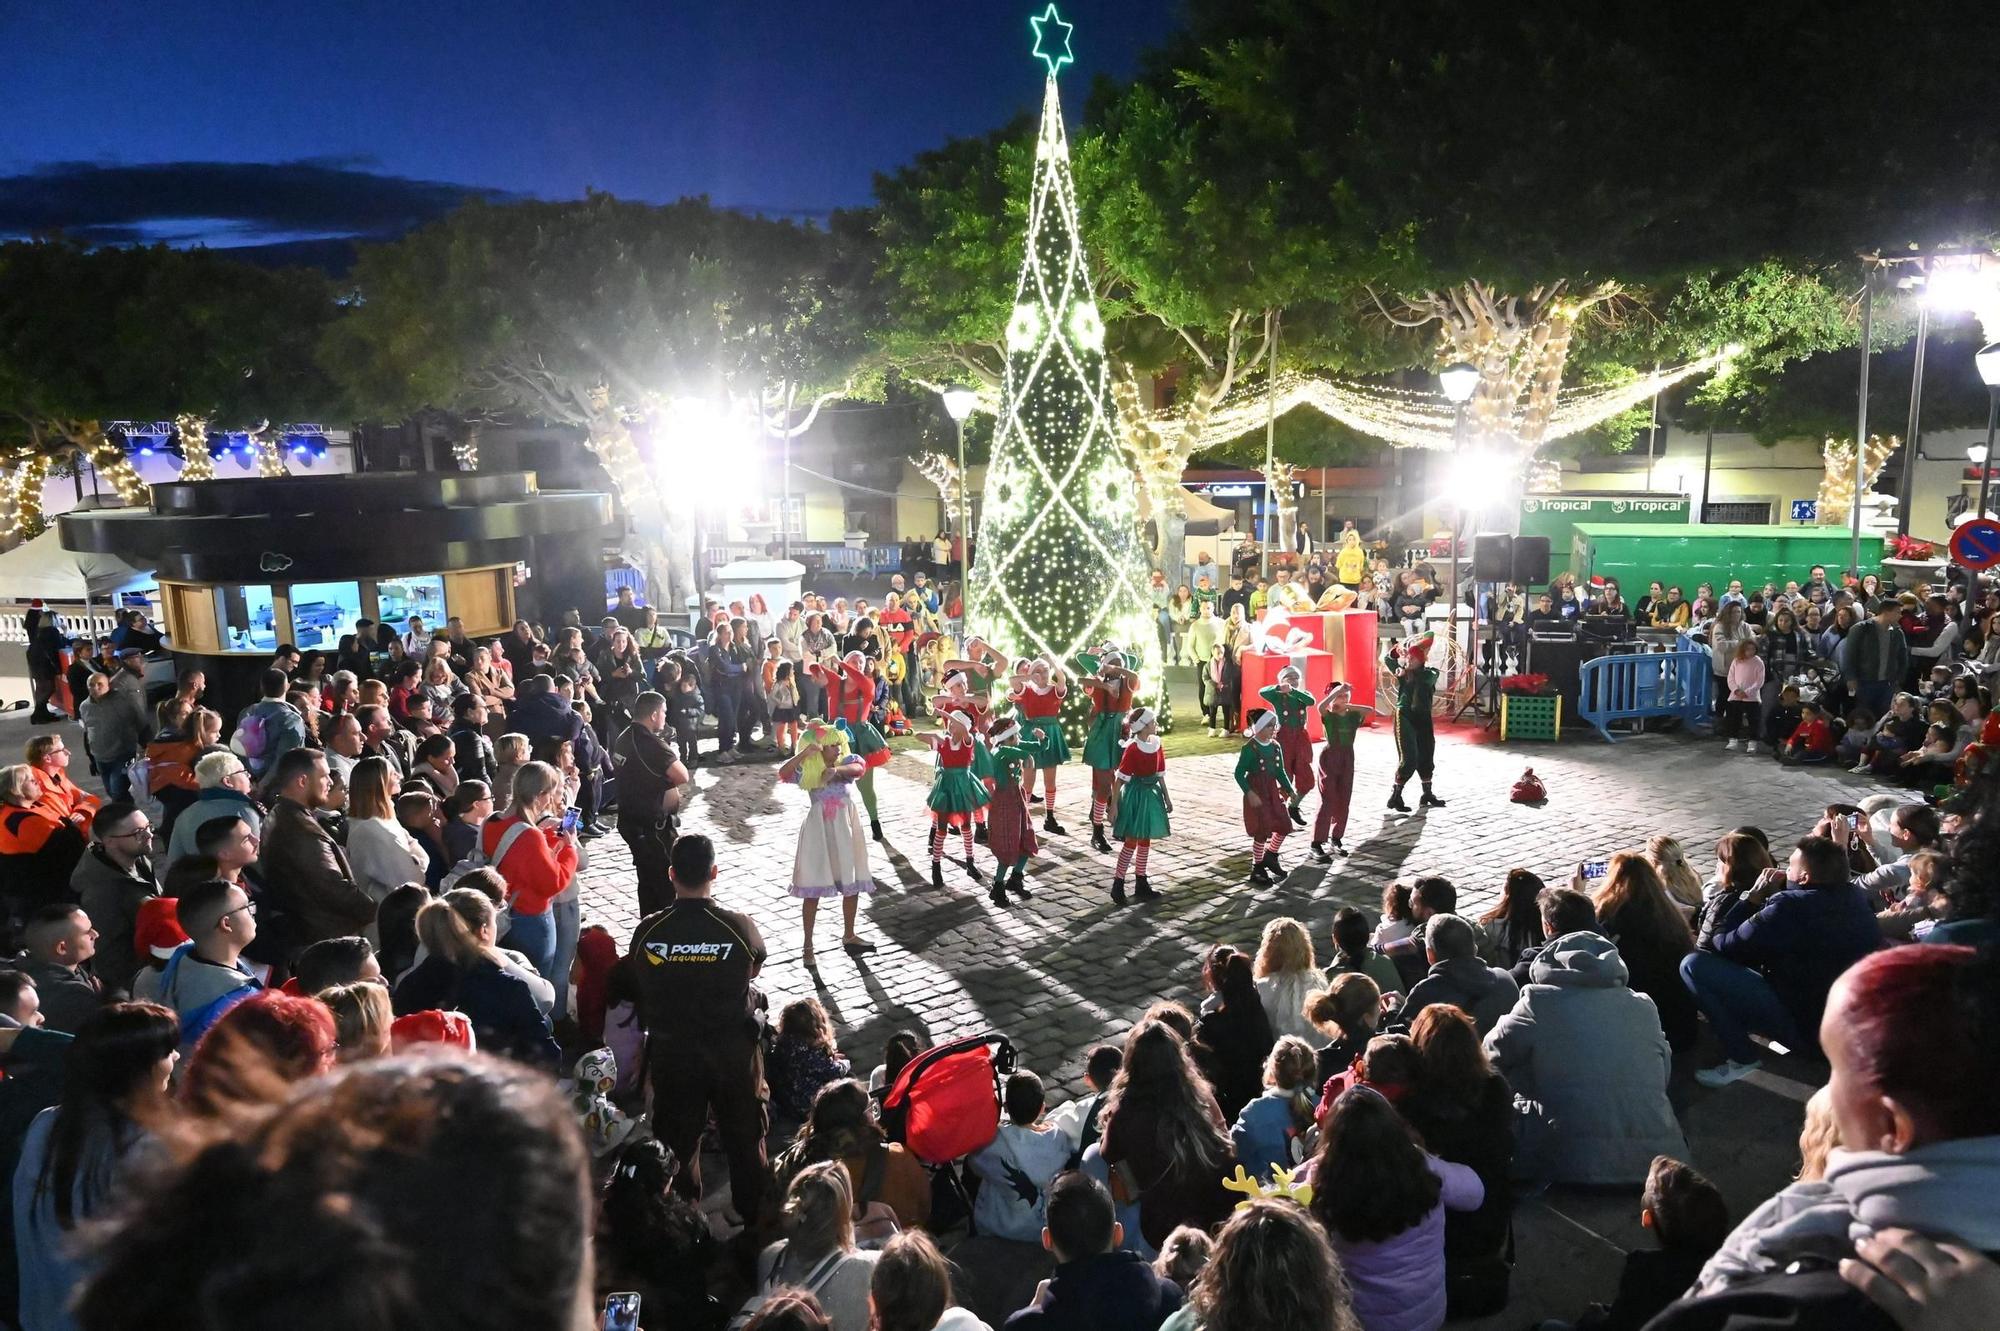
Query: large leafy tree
x,y
93,336
603,315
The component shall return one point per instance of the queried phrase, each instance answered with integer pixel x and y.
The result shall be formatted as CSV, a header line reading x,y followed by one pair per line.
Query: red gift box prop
x,y
1260,671
1349,636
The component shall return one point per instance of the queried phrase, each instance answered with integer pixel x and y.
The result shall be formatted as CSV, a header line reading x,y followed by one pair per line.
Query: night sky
x,y
232,122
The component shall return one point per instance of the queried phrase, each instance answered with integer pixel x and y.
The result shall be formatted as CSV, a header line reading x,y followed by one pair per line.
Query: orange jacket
x,y
65,801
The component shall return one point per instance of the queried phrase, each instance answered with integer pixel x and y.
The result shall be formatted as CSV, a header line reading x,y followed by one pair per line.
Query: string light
x,y
465,452
21,496
942,472
1059,567
197,463
107,456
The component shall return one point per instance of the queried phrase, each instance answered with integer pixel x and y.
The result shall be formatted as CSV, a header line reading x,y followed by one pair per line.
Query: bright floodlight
x,y
959,401
1988,361
1459,381
1976,454
1469,488
1957,286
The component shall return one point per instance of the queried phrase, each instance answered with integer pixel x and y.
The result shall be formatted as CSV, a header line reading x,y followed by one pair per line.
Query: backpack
x,y
1529,789
476,858
874,1221
139,774
815,1279
250,740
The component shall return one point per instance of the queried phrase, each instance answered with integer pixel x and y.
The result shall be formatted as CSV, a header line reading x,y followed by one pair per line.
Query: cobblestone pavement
x,y
1067,969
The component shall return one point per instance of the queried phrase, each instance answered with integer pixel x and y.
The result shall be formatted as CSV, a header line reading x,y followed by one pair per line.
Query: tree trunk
x,y
197,463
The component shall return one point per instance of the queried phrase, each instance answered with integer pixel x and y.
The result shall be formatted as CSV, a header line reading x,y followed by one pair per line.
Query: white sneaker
x,y
1726,1072
1751,747
1860,769
1731,746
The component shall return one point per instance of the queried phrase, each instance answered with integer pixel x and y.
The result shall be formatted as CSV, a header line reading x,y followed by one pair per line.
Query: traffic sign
x,y
1976,544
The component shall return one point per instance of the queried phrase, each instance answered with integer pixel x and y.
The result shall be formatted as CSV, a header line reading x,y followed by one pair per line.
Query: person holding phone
x,y
535,850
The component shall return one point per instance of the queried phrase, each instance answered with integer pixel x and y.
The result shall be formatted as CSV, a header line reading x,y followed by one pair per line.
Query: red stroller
x,y
944,1106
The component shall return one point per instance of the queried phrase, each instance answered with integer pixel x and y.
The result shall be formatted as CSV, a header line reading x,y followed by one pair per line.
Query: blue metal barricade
x,y
1645,685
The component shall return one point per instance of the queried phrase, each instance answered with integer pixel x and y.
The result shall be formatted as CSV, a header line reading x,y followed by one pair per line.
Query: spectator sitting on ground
x,y
817,1252
1689,1221
1269,1133
1382,1199
1565,910
842,1128
362,1017
1285,973
1514,925
1429,897
20,1004
1457,976
654,1242
1272,1267
267,1040
1016,1169
1635,913
1233,1038
803,1059
1099,1284
1464,1112
1588,1064
1353,952
60,945
1164,1136
1813,740
1910,1035
1389,1065
910,1289
1913,829
1078,1119
1347,1014
1184,1255
1775,953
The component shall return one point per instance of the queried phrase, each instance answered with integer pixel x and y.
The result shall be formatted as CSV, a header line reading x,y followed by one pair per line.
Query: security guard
x,y
650,780
693,965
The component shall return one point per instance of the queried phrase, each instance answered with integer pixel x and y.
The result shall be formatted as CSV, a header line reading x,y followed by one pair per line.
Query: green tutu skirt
x,y
1100,746
866,741
1043,736
1142,811
982,759
956,790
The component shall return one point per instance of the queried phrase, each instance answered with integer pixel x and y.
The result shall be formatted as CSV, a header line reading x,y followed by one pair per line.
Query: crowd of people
x,y
306,1025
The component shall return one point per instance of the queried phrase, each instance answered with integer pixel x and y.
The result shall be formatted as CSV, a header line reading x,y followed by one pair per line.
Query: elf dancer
x,y
1291,705
1039,698
1011,835
832,855
1143,804
850,691
1112,689
958,696
955,793
1416,742
1260,774
1336,770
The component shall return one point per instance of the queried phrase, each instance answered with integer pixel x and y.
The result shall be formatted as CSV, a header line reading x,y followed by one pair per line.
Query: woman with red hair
x,y
1913,1037
254,1052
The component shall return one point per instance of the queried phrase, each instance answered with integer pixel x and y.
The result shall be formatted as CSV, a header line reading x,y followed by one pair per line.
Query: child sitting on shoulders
x,y
1269,1133
804,1058
1015,1170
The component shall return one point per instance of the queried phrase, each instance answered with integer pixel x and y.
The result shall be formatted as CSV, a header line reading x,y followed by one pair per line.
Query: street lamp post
x,y
1459,381
958,404
1988,362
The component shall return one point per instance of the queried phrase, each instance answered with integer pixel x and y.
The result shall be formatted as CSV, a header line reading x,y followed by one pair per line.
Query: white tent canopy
x,y
42,568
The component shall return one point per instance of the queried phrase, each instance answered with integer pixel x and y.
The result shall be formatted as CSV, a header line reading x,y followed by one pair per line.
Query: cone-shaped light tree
x,y
1059,566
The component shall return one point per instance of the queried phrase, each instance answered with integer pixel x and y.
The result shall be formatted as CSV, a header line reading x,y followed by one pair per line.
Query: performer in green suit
x,y
1416,741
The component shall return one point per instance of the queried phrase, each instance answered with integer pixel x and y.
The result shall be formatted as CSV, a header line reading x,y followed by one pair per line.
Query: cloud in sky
x,y
221,204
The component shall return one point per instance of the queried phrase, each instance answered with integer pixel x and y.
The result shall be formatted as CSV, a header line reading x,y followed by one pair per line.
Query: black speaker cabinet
x,y
1531,560
1493,556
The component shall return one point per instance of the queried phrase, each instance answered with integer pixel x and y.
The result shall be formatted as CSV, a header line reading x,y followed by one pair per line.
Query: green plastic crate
x,y
1526,716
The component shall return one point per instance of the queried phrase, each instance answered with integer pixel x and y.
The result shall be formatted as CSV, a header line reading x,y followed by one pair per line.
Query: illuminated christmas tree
x,y
1060,567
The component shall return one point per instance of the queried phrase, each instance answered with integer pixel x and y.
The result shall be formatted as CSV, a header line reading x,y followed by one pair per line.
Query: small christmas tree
x,y
1059,566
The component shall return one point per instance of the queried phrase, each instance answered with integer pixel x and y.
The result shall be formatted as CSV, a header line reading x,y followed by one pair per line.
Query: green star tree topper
x,y
1059,565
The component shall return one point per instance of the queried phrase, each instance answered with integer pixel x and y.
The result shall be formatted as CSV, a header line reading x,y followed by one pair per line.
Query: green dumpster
x,y
1636,554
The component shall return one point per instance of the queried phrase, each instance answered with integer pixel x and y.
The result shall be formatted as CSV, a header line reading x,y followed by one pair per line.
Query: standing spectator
x,y
650,781
1457,976
60,944
1099,1284
1464,1112
1652,936
269,728
538,864
1775,953
817,1253
466,972
1019,1166
1726,635
205,976
1588,1064
1382,1199
114,728
693,965
471,748
37,853
1285,975
46,646
1788,649
1876,656
1164,1141
1743,684
76,1156
222,790
305,870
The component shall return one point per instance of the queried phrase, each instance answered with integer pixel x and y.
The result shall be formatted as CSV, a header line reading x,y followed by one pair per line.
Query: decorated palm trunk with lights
x,y
1059,567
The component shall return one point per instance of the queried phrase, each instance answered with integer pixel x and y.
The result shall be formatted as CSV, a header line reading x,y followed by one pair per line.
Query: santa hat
x,y
1340,692
1262,724
1005,732
1290,673
1419,648
963,720
157,931
956,677
1140,718
453,1029
1114,660
855,658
